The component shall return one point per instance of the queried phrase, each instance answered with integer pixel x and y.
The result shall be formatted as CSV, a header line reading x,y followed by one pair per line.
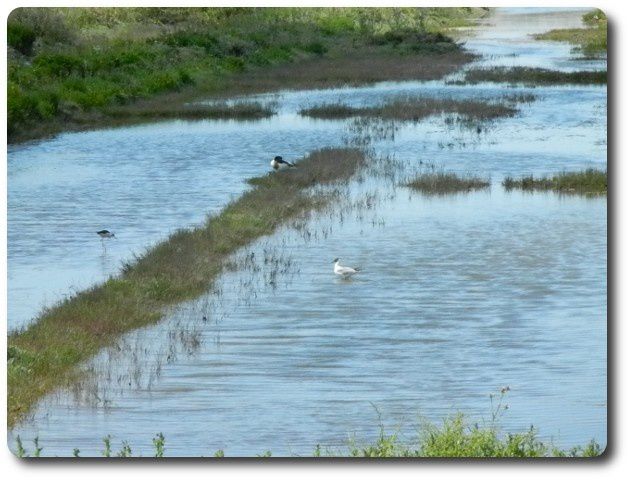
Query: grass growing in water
x,y
591,41
415,109
532,76
587,182
441,183
43,356
454,438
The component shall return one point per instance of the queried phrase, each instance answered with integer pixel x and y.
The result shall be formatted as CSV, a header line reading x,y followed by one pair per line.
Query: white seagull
x,y
277,163
344,272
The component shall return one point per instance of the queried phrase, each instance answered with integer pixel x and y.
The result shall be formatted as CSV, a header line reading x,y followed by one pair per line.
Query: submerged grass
x,y
415,109
532,76
45,355
586,182
454,438
441,183
591,41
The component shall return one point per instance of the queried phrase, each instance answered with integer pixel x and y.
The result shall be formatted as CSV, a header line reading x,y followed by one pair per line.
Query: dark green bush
x,y
234,64
318,48
47,24
416,41
59,64
185,38
21,37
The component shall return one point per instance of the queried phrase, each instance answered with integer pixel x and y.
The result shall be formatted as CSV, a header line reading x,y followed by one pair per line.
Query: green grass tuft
x,y
441,183
532,76
586,182
591,41
415,109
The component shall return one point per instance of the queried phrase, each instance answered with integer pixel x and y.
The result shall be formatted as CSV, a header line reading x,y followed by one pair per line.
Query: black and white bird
x,y
344,272
278,163
105,234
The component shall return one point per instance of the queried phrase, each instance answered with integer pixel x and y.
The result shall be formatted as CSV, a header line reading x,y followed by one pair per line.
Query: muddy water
x,y
460,295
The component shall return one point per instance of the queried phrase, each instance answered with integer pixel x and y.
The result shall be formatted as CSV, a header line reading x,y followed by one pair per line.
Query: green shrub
x,y
59,64
234,64
336,24
47,24
21,37
318,48
595,17
206,40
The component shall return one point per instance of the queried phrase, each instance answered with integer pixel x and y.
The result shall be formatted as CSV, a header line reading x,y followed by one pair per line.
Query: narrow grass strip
x,y
532,76
586,182
441,183
415,109
221,110
44,356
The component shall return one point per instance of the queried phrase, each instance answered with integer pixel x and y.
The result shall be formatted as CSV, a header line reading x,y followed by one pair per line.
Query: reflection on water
x,y
459,296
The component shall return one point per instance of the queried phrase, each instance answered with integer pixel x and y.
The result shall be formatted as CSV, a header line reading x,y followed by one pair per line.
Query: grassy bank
x,y
415,109
441,183
591,41
219,110
588,182
68,67
454,438
45,355
532,76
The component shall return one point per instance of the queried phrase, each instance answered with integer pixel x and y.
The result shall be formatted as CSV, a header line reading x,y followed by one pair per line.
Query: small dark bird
x,y
278,162
105,234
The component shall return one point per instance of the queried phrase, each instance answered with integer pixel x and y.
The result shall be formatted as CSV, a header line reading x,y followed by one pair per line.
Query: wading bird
x,y
105,234
277,163
344,272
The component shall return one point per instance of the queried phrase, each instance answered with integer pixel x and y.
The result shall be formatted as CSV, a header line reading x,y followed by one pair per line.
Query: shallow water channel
x,y
460,295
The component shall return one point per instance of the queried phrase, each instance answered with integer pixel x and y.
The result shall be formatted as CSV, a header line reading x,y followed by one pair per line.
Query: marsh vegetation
x,y
441,183
591,41
455,437
531,76
219,110
74,63
252,281
586,182
417,108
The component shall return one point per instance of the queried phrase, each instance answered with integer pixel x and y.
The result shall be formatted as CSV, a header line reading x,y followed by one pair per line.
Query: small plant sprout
x,y
20,452
125,451
107,441
38,449
499,408
158,443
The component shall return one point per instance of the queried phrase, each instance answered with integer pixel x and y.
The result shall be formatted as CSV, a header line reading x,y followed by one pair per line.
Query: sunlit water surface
x,y
460,296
